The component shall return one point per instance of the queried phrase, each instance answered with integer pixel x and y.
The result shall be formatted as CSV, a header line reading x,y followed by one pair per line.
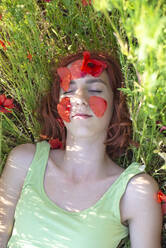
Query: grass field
x,y
34,33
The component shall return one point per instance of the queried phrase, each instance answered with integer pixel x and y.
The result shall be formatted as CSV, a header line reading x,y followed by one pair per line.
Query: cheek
x,y
64,108
98,105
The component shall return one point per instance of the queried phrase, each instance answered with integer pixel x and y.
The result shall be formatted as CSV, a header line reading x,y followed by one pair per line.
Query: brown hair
x,y
120,128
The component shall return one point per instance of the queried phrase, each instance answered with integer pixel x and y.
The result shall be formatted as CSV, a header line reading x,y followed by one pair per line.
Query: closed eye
x,y
66,92
98,91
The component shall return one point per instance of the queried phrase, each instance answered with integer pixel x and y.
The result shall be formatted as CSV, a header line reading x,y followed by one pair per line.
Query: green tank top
x,y
40,223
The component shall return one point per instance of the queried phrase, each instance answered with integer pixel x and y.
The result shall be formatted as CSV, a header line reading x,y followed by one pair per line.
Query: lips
x,y
82,115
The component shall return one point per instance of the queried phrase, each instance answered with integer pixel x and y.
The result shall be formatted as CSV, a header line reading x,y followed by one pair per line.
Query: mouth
x,y
81,116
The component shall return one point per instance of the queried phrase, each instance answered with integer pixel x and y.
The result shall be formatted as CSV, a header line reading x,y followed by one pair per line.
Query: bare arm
x,y
11,183
145,215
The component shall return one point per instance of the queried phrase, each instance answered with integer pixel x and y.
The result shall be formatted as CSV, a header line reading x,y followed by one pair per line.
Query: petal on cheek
x,y
98,105
64,108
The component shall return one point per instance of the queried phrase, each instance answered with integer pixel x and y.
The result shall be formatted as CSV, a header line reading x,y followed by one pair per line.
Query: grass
x,y
37,32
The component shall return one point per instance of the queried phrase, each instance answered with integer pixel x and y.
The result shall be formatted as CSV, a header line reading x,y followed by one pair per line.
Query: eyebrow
x,y
90,81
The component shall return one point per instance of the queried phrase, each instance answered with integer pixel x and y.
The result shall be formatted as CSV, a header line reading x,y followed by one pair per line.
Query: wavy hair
x,y
120,128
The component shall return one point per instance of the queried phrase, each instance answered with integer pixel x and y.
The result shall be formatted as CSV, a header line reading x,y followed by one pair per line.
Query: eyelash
x,y
97,91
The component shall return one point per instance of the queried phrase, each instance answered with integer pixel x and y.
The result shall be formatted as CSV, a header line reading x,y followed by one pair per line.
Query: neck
x,y
85,158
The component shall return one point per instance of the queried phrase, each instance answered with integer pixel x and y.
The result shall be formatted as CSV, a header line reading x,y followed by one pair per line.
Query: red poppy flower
x,y
5,104
64,109
161,198
98,105
47,1
92,66
65,76
0,16
3,45
85,3
29,56
55,143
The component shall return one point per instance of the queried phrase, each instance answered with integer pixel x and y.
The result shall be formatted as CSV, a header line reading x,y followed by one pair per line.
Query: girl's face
x,y
90,105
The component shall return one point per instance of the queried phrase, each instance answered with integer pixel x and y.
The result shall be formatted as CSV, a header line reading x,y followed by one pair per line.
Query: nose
x,y
81,97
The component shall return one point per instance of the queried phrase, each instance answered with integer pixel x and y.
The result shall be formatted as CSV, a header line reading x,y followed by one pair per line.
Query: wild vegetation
x,y
34,33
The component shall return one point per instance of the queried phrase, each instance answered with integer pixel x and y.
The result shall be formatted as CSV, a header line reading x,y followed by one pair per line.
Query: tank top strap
x,y
38,164
120,185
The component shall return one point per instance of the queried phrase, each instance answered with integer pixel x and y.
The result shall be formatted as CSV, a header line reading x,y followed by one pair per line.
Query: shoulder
x,y
143,180
21,156
16,167
27,147
144,213
140,195
23,153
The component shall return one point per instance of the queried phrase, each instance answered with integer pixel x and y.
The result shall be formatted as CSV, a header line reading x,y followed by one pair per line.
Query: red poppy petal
x,y
55,143
75,69
98,105
2,99
161,196
99,67
64,109
158,197
4,110
86,56
3,44
8,103
92,66
85,3
65,76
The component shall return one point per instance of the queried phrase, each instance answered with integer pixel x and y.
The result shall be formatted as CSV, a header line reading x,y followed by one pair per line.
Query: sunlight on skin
x,y
5,201
139,187
84,201
73,148
8,194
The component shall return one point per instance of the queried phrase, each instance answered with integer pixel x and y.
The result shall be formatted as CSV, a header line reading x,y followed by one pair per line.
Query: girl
x,y
76,196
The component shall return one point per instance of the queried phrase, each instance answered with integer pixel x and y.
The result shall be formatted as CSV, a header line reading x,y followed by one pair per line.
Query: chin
x,y
81,132
84,129
85,133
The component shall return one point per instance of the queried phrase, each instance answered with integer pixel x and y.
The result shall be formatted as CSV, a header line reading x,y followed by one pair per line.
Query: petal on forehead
x,y
65,76
75,69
